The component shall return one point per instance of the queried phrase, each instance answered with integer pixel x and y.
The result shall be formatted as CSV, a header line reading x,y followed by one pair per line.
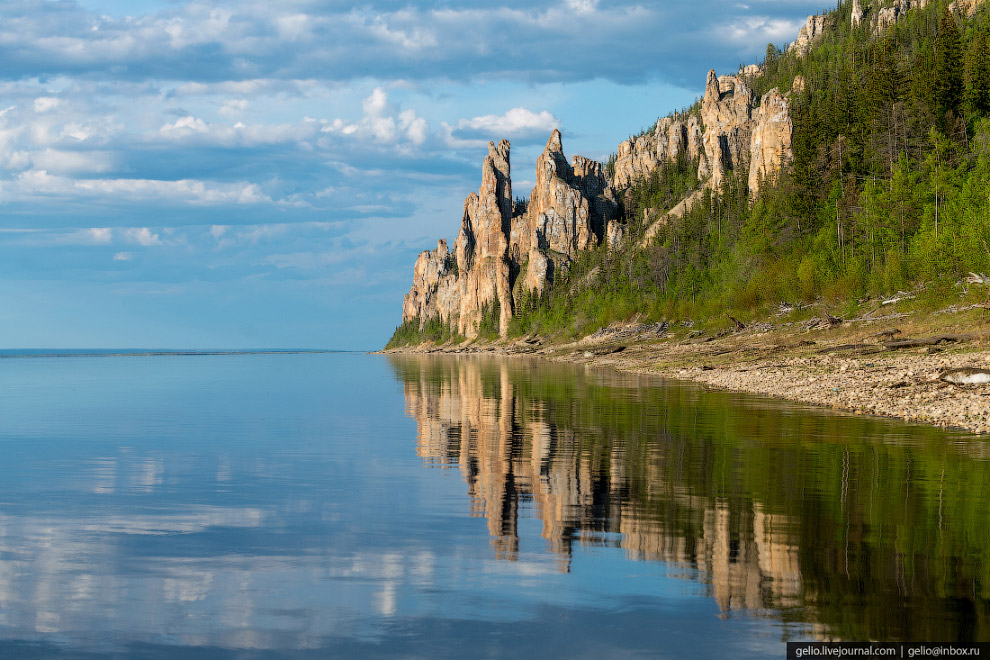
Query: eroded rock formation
x,y
770,144
965,7
502,252
810,32
727,112
568,211
637,157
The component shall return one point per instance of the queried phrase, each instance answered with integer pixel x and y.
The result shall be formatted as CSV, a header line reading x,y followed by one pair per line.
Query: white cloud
x,y
100,234
582,6
45,103
60,161
123,256
416,128
184,126
294,27
376,104
194,129
89,236
142,236
514,121
383,122
233,107
31,183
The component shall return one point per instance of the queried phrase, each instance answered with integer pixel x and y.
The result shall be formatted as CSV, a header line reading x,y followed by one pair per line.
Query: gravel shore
x,y
847,366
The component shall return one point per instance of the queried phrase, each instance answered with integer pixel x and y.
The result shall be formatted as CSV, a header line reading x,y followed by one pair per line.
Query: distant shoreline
x,y
92,353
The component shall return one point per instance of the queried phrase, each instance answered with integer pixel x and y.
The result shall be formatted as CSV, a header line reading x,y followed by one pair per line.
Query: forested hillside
x,y
888,190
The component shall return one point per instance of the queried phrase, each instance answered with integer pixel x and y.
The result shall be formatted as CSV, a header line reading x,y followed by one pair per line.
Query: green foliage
x,y
887,190
948,66
433,330
490,320
978,75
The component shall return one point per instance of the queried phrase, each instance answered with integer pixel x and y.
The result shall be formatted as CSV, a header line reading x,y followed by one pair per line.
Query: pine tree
x,y
948,67
978,75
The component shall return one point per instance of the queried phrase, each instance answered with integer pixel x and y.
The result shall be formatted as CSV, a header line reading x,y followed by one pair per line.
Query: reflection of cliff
x,y
591,486
863,528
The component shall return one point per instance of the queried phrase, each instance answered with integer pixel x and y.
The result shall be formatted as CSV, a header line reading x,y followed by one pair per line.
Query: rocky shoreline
x,y
852,366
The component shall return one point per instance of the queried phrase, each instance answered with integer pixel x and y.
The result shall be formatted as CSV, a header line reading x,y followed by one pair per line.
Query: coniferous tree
x,y
948,67
978,75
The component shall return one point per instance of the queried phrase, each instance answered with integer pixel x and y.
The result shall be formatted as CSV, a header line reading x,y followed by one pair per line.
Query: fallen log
x,y
849,347
927,341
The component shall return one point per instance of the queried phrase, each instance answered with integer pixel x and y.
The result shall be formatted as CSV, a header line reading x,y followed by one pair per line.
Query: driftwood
x,y
737,324
849,347
608,350
887,334
927,341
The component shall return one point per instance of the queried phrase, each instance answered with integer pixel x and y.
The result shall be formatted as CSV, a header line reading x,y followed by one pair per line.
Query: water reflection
x,y
277,506
860,528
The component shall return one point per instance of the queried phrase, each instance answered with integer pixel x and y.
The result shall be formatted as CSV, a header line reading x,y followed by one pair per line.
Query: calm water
x,y
342,505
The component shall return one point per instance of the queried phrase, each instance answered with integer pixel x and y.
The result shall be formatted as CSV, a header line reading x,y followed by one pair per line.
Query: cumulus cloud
x,y
142,236
33,182
517,123
45,103
233,107
383,122
553,39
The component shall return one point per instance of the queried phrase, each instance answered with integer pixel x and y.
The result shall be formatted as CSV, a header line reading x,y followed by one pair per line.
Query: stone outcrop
x,y
568,211
810,32
727,112
434,289
502,252
751,70
857,14
887,16
637,157
965,7
770,144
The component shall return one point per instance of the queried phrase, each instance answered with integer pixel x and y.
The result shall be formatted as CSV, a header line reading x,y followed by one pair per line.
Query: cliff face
x,y
569,209
637,157
809,33
502,252
770,141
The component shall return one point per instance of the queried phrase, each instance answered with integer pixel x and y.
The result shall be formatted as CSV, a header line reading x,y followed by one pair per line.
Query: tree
x,y
978,75
948,67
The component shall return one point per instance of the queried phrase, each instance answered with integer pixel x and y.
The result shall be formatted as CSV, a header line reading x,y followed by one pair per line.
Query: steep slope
x,y
781,183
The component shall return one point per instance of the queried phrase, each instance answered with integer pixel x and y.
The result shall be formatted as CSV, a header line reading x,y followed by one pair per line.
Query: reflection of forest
x,y
816,517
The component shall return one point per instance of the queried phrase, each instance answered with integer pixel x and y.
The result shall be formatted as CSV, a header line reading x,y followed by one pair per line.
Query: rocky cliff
x,y
569,210
502,252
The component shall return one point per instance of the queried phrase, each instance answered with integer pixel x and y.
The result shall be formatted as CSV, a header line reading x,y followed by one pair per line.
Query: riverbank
x,y
881,364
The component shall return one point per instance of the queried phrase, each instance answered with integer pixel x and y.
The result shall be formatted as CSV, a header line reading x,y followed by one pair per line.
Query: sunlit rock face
x,y
502,251
727,113
770,143
568,211
810,32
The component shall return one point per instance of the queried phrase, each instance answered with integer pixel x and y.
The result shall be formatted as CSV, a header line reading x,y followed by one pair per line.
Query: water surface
x,y
344,505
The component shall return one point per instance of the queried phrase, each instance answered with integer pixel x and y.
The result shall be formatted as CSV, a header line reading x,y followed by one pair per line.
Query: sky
x,y
248,174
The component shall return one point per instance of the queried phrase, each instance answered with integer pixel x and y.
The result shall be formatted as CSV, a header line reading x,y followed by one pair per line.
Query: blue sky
x,y
263,174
